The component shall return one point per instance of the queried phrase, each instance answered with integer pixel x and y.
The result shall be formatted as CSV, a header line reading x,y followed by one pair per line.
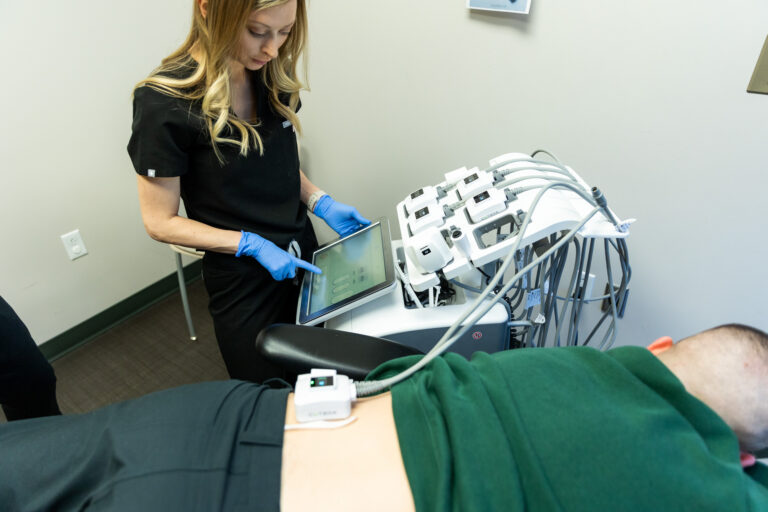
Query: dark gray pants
x,y
207,446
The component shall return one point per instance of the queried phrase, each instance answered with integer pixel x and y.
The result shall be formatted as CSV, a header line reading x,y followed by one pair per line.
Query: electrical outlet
x,y
74,244
621,300
586,287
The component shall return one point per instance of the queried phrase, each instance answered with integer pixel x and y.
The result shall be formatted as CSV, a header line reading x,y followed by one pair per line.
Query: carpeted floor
x,y
148,352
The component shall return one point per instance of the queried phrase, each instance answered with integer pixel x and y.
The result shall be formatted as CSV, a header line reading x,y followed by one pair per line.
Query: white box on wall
x,y
517,6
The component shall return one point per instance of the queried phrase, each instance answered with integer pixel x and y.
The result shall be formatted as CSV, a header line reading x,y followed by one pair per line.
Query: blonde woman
x,y
215,125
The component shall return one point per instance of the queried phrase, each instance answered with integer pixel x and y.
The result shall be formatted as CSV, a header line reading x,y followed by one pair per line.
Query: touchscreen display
x,y
350,267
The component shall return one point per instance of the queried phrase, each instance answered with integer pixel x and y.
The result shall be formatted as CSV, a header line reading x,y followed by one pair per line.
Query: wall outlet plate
x,y
74,244
759,81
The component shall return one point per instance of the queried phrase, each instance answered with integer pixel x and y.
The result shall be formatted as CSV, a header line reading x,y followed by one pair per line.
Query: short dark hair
x,y
756,336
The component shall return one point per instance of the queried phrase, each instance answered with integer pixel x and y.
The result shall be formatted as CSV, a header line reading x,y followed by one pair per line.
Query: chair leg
x,y
184,299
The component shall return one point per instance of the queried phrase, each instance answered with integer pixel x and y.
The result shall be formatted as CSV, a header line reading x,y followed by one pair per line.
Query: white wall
x,y
68,72
646,100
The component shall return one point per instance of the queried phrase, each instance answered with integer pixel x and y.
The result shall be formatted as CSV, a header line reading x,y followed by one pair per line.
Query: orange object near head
x,y
660,345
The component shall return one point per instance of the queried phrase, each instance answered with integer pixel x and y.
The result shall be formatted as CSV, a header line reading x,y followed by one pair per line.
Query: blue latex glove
x,y
342,218
280,264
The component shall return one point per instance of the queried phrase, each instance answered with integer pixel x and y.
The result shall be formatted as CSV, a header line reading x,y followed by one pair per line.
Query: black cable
x,y
594,330
579,273
546,279
487,277
581,288
533,155
537,285
550,307
612,328
569,291
521,288
552,281
557,266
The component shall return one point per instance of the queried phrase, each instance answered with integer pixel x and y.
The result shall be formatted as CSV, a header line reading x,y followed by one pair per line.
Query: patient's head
x,y
727,368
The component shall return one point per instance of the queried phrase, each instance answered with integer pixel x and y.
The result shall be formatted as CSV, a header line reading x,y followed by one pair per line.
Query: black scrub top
x,y
257,193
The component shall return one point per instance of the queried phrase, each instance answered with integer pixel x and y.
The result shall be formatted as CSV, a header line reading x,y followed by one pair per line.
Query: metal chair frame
x,y
194,253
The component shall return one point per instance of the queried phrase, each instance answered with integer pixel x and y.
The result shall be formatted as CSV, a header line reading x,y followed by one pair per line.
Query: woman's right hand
x,y
280,264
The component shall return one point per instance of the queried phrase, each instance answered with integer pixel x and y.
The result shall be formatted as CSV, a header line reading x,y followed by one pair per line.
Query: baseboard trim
x,y
86,331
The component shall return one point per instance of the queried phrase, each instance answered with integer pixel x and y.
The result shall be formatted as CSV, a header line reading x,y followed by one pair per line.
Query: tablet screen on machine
x,y
356,269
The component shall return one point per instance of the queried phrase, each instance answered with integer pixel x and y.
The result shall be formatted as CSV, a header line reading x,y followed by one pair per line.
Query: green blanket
x,y
565,429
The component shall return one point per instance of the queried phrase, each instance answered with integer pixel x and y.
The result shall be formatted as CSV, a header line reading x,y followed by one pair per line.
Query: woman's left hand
x,y
342,218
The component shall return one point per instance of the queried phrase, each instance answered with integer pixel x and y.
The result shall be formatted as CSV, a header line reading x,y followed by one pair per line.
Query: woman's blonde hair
x,y
215,39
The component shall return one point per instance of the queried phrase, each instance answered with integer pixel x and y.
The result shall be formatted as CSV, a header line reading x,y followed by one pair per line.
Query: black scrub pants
x,y
243,300
27,381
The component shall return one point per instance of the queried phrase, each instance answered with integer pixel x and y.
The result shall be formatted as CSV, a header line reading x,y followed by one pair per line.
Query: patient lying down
x,y
537,429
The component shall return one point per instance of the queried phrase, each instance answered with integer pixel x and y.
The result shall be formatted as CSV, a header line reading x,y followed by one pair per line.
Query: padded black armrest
x,y
299,348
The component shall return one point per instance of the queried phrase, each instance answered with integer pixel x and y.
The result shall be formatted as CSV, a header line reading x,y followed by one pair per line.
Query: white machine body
x,y
450,233
475,182
486,204
430,250
421,198
426,217
479,221
388,317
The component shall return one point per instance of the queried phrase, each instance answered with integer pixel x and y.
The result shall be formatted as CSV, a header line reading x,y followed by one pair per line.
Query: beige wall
x,y
646,100
68,71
